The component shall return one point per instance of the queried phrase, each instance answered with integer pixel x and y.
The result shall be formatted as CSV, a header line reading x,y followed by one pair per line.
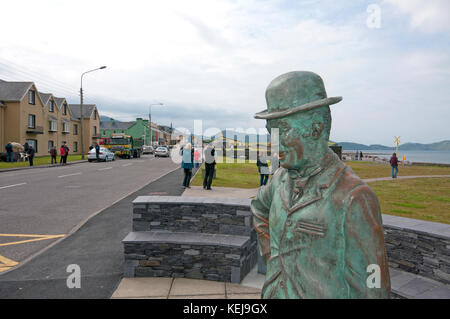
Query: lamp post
x,y
81,109
150,120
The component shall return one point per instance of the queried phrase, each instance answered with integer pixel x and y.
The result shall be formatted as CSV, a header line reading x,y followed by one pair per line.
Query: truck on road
x,y
124,146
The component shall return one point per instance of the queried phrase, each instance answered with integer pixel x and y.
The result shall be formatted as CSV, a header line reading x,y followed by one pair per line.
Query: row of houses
x,y
44,120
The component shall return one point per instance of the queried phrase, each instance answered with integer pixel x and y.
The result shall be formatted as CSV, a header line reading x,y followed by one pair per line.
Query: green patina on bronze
x,y
319,225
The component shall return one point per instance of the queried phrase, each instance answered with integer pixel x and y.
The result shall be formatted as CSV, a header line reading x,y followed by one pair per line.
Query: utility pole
x,y
81,109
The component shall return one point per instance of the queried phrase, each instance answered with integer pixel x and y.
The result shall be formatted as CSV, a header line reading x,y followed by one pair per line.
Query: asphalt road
x,y
96,248
52,202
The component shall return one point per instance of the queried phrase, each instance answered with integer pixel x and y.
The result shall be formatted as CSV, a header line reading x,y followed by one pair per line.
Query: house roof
x,y
45,97
59,101
115,125
13,91
87,110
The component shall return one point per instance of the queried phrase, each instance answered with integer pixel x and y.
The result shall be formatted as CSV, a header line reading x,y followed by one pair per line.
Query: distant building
x,y
136,129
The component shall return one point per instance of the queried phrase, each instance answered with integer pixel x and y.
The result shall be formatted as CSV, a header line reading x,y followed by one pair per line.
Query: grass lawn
x,y
41,160
422,198
239,175
372,170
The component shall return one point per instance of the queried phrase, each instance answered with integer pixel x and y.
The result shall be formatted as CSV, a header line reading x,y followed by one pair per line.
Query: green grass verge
x,y
41,160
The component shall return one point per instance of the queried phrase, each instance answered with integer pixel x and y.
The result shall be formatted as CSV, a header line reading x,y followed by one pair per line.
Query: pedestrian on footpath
x,y
196,157
9,152
53,153
263,169
26,147
97,152
275,163
66,150
210,164
187,164
62,153
394,164
30,153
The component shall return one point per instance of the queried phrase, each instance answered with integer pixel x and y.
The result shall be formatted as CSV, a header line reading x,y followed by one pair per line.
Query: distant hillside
x,y
104,118
439,146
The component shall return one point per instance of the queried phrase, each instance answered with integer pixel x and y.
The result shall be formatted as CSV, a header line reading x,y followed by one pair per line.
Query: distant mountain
x,y
243,137
439,146
104,118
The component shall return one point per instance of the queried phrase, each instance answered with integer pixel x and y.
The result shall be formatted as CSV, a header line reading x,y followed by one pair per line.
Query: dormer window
x,y
51,106
31,97
64,109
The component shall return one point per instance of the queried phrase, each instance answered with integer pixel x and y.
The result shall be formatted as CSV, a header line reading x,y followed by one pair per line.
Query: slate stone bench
x,y
201,238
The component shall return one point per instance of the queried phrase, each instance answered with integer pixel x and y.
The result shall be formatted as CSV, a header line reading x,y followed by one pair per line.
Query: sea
x,y
441,157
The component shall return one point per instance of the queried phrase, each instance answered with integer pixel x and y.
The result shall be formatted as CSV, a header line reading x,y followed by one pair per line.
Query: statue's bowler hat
x,y
294,92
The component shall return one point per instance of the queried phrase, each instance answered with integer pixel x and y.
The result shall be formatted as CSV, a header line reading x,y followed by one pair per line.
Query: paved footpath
x,y
96,247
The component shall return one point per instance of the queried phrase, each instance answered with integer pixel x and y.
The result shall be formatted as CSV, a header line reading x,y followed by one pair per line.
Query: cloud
x,y
430,16
213,59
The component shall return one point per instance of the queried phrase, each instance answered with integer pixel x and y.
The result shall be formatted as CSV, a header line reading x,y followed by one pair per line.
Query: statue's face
x,y
291,147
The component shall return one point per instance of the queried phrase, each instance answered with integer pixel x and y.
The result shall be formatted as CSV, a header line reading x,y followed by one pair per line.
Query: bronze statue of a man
x,y
319,225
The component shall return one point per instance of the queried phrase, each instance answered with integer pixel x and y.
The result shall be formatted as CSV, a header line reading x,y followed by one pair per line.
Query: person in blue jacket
x,y
187,164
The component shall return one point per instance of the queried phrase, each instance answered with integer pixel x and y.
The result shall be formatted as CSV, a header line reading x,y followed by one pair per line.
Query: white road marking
x,y
125,165
12,185
79,173
103,169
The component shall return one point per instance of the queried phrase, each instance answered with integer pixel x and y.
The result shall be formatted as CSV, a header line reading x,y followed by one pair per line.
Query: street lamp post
x,y
150,121
81,109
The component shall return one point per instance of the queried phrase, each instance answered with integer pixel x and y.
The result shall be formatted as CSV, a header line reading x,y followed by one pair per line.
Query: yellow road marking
x,y
35,238
6,263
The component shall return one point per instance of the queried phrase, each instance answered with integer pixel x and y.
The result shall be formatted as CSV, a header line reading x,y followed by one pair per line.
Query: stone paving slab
x,y
192,287
143,287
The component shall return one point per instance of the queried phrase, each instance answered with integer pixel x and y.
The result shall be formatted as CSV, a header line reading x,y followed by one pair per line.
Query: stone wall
x,y
418,247
188,237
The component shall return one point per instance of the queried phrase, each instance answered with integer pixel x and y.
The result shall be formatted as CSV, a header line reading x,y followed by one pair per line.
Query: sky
x,y
212,60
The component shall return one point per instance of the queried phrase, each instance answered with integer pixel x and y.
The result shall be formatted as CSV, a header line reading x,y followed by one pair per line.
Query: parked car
x,y
104,155
162,151
147,149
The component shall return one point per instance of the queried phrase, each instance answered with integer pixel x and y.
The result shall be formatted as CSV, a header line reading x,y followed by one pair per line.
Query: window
x,y
53,125
33,143
65,109
95,114
95,130
75,146
51,106
66,127
50,145
31,97
31,121
75,129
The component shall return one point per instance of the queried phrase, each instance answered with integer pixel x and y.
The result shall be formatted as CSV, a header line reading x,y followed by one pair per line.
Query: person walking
x,y
62,153
210,163
263,169
30,154
196,157
66,150
187,164
97,152
360,156
394,164
53,153
275,163
26,147
9,152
